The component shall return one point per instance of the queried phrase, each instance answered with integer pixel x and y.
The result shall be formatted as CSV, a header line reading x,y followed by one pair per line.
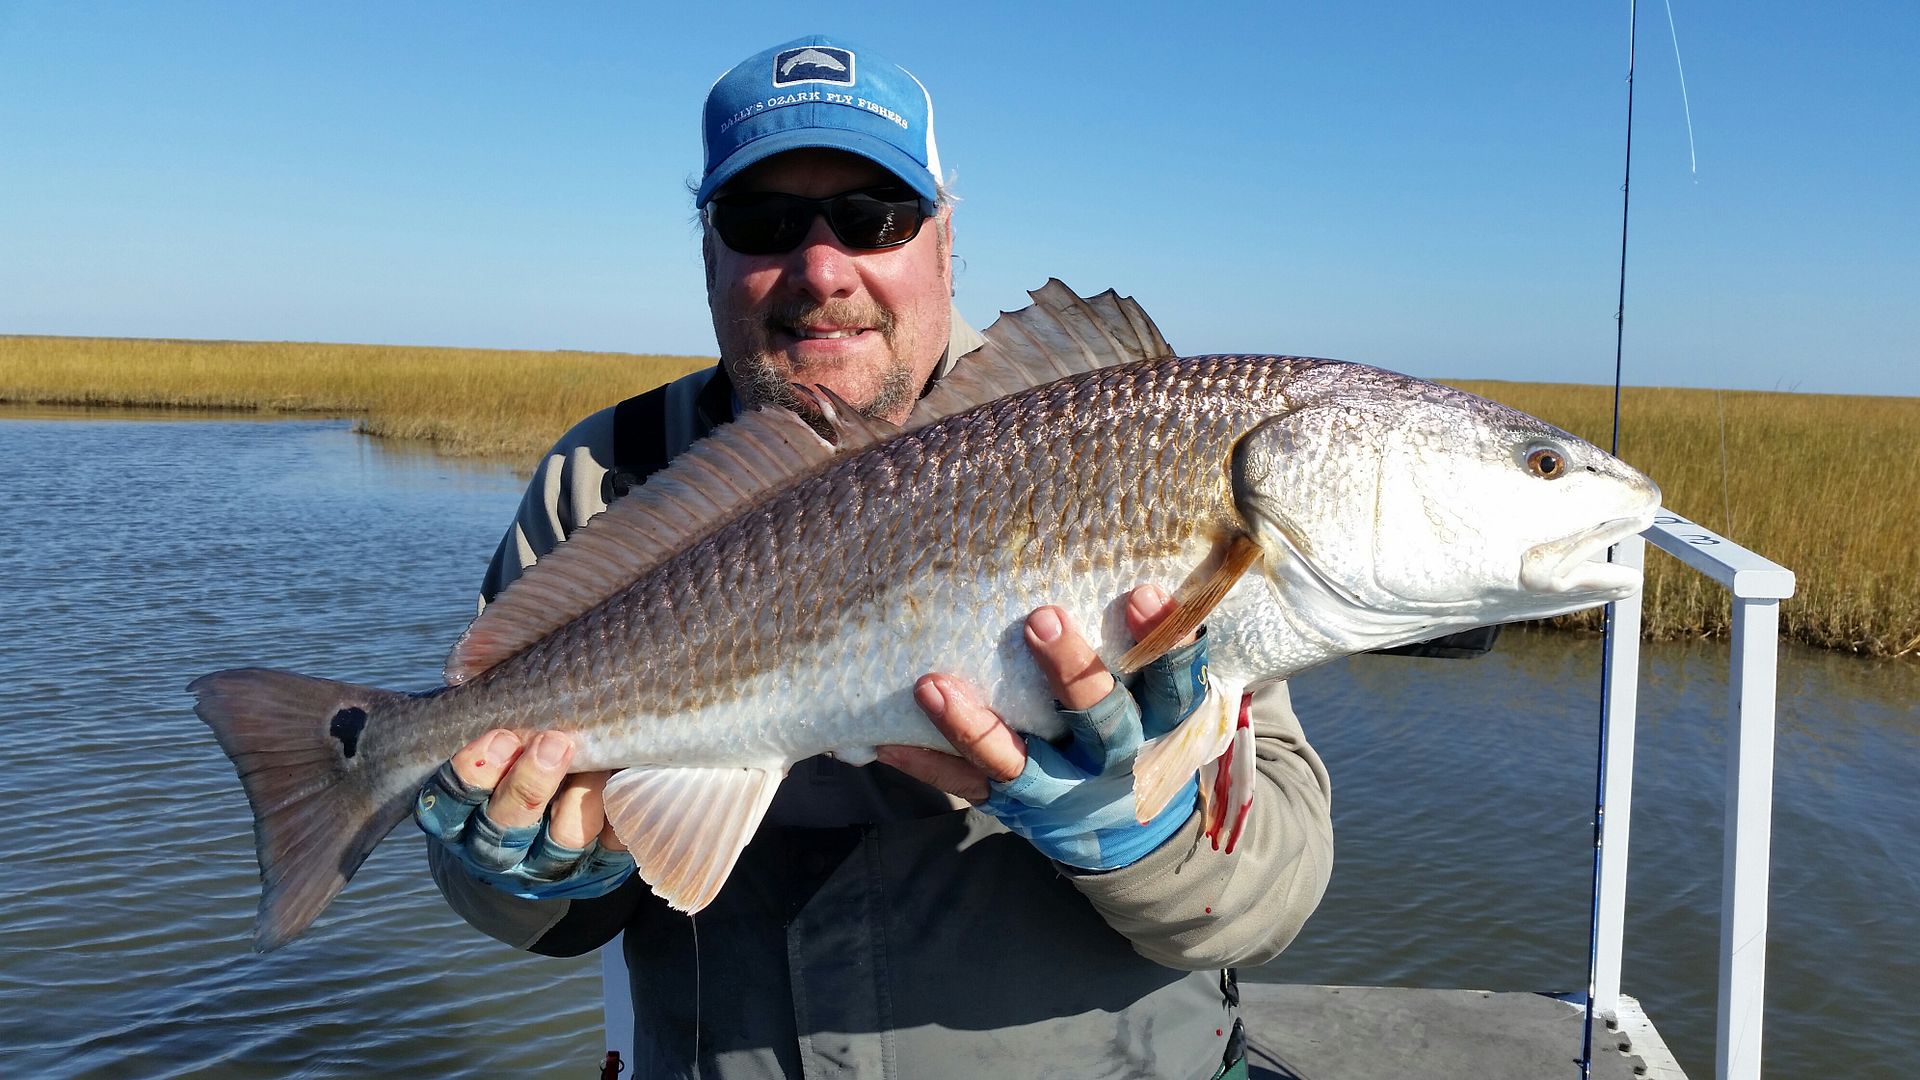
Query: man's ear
x,y
945,224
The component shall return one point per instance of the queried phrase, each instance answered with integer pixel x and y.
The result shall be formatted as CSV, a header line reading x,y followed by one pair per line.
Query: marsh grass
x,y
470,402
1828,486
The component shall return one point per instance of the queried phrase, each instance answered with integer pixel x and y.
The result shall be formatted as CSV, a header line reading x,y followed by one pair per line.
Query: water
x,y
140,554
143,552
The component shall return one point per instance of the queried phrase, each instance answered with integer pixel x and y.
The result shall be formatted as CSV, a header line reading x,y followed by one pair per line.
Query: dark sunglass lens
x,y
762,223
876,219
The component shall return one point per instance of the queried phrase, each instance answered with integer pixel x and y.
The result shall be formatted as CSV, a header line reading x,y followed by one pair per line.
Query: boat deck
x,y
1359,1032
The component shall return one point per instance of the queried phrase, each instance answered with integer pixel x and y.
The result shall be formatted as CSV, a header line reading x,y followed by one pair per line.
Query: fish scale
x,y
773,595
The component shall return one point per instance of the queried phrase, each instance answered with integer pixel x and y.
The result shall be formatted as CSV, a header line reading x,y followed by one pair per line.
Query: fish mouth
x,y
1577,564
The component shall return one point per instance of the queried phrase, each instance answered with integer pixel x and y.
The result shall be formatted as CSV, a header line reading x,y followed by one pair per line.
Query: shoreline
x,y
1827,485
488,403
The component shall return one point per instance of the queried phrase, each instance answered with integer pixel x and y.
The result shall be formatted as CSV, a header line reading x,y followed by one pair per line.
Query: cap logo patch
x,y
813,64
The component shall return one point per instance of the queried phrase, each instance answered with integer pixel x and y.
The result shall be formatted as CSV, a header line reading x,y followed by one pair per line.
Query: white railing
x,y
1758,586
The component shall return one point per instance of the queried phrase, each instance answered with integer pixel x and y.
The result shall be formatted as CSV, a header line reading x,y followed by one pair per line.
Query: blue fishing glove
x,y
1075,803
523,862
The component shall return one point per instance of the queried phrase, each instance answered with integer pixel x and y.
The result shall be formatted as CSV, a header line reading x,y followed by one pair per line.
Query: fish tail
x,y
317,805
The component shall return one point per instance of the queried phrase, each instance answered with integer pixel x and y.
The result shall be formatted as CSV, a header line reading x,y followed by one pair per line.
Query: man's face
x,y
869,325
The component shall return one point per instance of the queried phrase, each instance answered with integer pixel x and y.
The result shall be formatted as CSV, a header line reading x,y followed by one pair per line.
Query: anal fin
x,y
686,825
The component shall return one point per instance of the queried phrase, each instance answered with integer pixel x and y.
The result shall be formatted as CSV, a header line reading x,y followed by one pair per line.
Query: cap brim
x,y
879,151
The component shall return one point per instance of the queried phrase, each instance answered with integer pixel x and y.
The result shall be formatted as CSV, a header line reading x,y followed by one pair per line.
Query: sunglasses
x,y
774,223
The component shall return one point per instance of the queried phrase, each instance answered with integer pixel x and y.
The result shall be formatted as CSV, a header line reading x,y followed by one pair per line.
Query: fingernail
x,y
928,695
1154,596
549,748
501,747
1045,624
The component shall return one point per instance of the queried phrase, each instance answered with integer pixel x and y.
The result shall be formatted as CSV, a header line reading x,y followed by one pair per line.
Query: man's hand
x,y
520,823
1076,805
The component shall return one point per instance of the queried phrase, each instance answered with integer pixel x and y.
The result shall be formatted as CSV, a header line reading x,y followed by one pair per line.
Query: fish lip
x,y
1576,564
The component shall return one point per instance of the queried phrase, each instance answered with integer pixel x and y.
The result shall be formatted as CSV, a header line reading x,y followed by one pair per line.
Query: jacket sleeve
x,y
564,493
1188,906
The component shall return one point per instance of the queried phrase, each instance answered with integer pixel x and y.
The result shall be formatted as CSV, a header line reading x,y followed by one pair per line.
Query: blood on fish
x,y
1238,823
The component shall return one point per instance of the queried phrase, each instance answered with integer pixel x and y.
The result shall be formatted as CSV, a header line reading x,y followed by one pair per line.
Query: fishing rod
x,y
1606,657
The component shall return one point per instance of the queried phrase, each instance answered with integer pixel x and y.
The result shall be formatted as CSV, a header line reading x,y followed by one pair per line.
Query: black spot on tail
x,y
346,727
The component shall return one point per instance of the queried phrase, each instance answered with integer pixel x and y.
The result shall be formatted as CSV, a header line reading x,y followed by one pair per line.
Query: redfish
x,y
774,593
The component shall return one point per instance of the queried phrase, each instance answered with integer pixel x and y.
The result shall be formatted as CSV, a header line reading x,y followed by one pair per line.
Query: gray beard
x,y
758,378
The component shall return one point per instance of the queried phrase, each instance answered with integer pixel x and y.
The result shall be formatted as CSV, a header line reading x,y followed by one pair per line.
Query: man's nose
x,y
820,266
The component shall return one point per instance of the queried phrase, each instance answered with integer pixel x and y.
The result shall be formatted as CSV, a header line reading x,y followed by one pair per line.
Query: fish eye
x,y
1546,462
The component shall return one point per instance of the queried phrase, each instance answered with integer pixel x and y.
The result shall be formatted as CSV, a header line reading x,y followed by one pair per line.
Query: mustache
x,y
782,314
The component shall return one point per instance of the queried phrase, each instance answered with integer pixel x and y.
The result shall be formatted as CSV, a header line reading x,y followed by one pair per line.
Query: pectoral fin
x,y
686,826
1193,608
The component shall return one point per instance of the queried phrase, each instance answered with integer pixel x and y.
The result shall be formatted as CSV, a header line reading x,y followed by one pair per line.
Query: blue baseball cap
x,y
816,92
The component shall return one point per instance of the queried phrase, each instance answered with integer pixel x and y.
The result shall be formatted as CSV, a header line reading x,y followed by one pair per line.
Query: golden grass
x,y
472,402
1826,485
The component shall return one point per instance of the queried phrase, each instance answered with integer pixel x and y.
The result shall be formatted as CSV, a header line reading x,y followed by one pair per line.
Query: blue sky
x,y
1428,187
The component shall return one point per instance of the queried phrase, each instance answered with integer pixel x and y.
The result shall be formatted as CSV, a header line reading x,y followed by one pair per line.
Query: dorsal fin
x,y
1060,334
716,478
765,449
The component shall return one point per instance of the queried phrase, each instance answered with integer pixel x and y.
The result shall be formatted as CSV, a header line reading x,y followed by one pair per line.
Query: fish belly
x,y
854,690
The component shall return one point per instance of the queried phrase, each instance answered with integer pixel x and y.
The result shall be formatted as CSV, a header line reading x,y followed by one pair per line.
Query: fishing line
x,y
693,924
1600,769
1693,161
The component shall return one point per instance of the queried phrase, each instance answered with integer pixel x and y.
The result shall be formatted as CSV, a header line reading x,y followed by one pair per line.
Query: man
x,y
916,917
